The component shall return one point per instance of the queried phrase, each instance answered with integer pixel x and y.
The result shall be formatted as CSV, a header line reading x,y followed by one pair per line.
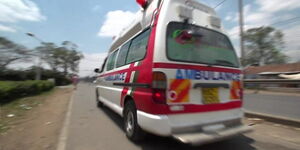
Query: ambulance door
x,y
108,90
207,70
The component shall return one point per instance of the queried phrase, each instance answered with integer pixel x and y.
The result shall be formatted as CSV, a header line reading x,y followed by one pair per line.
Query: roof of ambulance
x,y
136,25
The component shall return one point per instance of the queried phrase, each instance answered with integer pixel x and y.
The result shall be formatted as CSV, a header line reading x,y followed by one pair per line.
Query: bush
x,y
21,75
10,90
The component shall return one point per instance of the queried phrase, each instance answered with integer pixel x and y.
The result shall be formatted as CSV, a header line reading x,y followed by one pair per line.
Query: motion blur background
x,y
42,41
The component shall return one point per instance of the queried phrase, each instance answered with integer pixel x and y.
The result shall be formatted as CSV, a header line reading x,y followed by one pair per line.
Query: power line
x,y
283,21
219,4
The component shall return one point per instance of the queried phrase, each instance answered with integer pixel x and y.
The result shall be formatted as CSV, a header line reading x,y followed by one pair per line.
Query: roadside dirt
x,y
40,127
264,133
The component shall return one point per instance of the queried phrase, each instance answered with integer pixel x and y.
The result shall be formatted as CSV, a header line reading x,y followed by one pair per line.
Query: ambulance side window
x,y
137,50
111,61
122,55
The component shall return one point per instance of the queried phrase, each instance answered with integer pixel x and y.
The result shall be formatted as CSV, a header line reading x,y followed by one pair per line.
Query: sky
x,y
91,24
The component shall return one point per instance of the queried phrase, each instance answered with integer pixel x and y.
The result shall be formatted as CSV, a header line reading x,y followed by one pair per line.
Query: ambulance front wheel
x,y
99,103
132,129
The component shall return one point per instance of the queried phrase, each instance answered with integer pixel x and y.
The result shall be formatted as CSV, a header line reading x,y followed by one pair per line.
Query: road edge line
x,y
64,130
272,118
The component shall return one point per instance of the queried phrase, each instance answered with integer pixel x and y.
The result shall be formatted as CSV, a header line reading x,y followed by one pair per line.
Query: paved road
x,y
277,105
92,128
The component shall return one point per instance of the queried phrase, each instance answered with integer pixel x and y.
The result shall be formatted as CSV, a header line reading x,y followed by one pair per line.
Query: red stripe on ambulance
x,y
127,80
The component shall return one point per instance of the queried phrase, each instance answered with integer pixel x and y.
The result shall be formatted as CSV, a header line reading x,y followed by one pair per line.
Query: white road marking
x,y
64,131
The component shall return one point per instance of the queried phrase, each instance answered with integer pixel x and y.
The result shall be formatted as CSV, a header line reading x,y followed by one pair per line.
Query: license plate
x,y
210,95
215,127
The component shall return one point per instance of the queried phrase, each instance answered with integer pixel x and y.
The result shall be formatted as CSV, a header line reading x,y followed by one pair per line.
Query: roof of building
x,y
275,69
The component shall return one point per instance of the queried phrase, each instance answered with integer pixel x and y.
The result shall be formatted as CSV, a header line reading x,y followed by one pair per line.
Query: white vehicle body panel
x,y
174,124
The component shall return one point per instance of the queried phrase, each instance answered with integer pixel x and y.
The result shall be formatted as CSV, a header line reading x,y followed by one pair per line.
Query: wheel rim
x,y
129,123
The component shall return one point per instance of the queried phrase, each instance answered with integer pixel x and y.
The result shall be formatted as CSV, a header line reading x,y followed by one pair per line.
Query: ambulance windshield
x,y
190,43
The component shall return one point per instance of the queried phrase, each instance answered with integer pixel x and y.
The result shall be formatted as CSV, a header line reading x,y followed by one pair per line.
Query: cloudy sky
x,y
92,23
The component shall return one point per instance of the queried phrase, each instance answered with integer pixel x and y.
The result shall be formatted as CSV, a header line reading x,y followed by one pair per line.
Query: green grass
x,y
19,107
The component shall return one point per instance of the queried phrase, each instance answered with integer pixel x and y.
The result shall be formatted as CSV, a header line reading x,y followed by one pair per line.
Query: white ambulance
x,y
174,72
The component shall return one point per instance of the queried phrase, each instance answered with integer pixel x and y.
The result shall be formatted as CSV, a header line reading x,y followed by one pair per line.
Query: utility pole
x,y
39,63
241,20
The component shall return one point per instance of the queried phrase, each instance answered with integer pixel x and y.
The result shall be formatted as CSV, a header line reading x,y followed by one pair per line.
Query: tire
x,y
132,129
99,103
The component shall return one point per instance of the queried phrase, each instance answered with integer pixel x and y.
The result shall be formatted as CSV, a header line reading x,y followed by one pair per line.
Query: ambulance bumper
x,y
157,124
192,134
209,137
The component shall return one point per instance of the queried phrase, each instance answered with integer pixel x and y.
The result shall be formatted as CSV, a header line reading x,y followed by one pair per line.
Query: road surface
x,y
276,105
91,128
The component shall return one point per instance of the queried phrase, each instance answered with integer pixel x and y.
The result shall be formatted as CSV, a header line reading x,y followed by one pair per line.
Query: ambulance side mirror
x,y
97,70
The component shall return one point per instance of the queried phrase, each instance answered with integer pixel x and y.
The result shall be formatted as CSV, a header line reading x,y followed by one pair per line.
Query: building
x,y
279,71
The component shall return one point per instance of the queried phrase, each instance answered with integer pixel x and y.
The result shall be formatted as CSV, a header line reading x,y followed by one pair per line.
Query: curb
x,y
62,139
275,119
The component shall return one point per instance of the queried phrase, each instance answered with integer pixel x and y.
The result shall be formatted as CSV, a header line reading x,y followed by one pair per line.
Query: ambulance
x,y
174,72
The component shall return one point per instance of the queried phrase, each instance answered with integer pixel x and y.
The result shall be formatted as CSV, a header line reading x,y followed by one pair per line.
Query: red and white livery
x,y
174,72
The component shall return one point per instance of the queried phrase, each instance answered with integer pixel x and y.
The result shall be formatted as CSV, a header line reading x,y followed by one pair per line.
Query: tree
x,y
65,58
11,52
72,57
48,54
264,45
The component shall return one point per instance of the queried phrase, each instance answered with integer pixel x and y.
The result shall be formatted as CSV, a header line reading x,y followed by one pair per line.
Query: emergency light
x,y
142,3
185,12
215,21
